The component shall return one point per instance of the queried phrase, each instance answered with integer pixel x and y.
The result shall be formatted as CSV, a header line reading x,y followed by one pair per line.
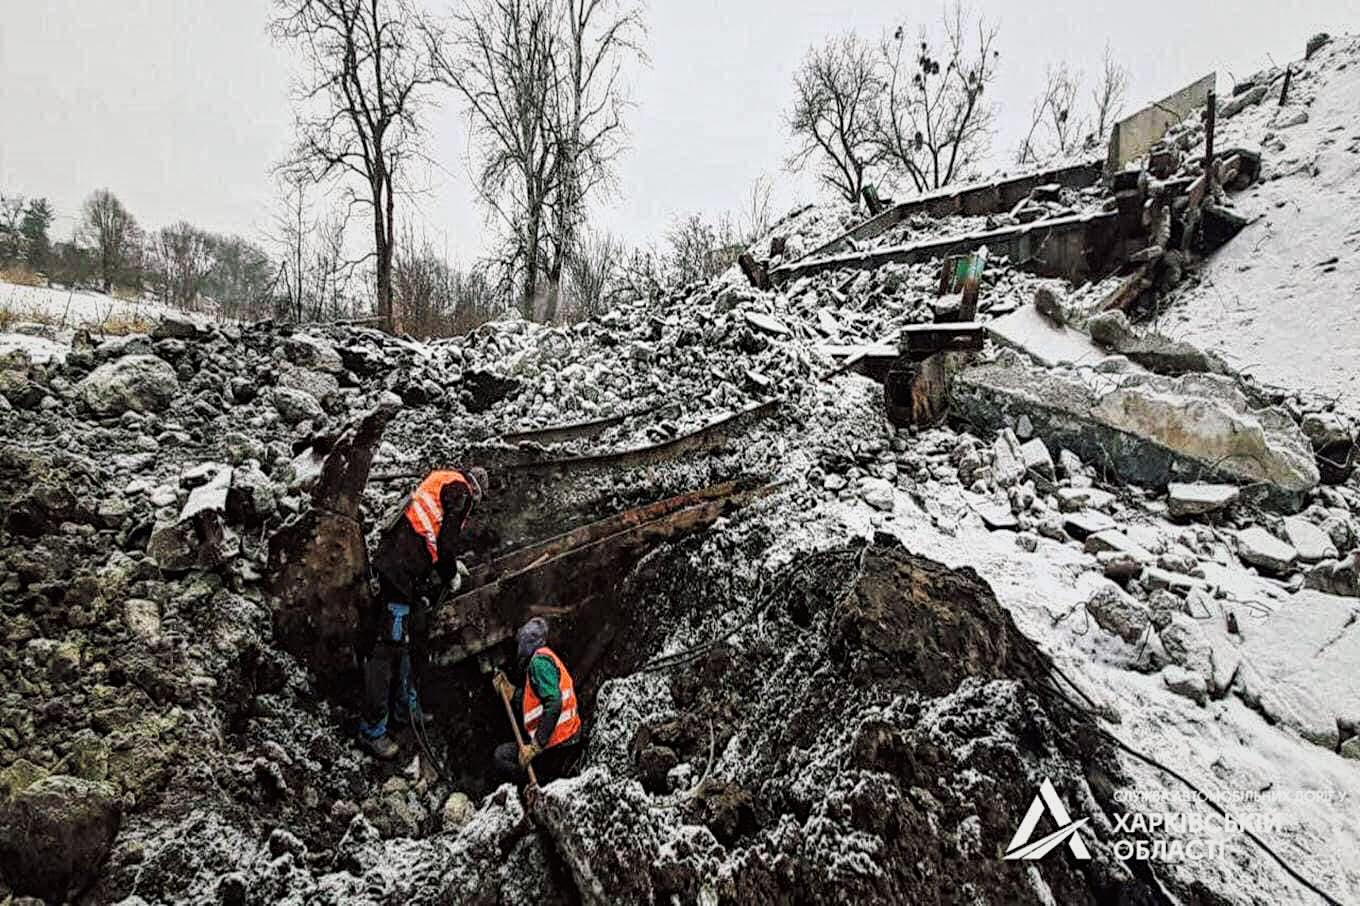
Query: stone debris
x,y
1183,682
186,570
1309,542
1260,548
137,383
55,833
1120,613
1199,499
1298,666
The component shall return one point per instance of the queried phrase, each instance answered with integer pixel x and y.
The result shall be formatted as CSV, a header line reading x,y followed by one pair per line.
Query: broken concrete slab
x,y
1047,342
1118,542
1183,682
1181,584
1148,429
1134,136
1311,542
1085,523
1260,548
767,323
997,517
1155,352
1073,499
1184,499
211,495
1298,667
992,197
1073,247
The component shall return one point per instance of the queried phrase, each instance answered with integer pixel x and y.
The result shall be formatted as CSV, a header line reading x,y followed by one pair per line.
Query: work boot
x,y
380,747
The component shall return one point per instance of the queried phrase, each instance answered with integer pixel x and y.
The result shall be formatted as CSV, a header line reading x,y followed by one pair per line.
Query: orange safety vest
x,y
568,722
426,513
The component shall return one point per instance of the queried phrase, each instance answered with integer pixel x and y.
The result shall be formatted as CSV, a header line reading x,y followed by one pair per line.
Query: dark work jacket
x,y
402,560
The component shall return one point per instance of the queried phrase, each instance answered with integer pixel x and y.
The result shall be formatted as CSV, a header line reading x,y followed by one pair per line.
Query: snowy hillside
x,y
1280,301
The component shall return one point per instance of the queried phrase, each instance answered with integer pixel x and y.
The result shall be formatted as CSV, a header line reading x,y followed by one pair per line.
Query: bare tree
x,y
836,91
592,270
587,124
291,233
331,272
934,123
1058,128
499,55
541,84
181,260
11,236
243,278
1107,98
111,232
359,108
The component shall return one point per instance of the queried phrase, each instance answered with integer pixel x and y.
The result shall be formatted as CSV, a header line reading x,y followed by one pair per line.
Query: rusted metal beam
x,y
571,431
564,571
991,197
524,557
318,561
1129,289
708,437
1072,247
919,341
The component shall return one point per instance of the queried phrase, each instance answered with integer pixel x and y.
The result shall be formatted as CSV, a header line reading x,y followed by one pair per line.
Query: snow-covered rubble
x,y
857,701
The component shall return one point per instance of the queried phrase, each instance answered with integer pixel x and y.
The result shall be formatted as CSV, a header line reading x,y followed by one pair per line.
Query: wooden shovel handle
x,y
519,739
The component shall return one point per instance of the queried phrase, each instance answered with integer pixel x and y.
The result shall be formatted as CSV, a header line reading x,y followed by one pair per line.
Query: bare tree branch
x,y
359,114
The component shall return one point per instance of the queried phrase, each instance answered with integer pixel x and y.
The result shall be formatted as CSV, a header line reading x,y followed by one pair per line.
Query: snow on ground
x,y
68,309
38,350
1279,301
1225,748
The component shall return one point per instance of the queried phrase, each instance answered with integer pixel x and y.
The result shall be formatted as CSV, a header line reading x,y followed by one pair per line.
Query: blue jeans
x,y
387,674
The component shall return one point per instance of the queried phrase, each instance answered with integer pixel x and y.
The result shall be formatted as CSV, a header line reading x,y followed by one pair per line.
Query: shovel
x,y
514,724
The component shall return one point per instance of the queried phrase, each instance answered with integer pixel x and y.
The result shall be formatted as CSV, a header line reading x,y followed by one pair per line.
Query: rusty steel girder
x,y
554,577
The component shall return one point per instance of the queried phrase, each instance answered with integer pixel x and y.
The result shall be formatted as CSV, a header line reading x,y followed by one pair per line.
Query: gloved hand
x,y
503,687
527,753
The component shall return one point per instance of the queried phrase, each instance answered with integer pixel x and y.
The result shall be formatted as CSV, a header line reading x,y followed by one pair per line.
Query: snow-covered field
x,y
74,309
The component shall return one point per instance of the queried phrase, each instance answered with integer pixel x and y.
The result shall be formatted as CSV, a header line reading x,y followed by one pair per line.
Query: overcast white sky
x,y
181,106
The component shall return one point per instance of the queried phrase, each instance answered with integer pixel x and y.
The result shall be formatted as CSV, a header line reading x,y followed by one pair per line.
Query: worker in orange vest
x,y
416,557
547,705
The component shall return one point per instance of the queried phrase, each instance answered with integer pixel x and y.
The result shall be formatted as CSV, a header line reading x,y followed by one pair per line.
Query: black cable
x,y
1149,760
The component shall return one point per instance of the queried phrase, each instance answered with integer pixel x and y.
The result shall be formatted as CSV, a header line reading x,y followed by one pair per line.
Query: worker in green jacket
x,y
547,706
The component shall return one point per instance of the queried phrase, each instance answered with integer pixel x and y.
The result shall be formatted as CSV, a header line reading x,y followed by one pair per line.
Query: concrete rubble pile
x,y
166,740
